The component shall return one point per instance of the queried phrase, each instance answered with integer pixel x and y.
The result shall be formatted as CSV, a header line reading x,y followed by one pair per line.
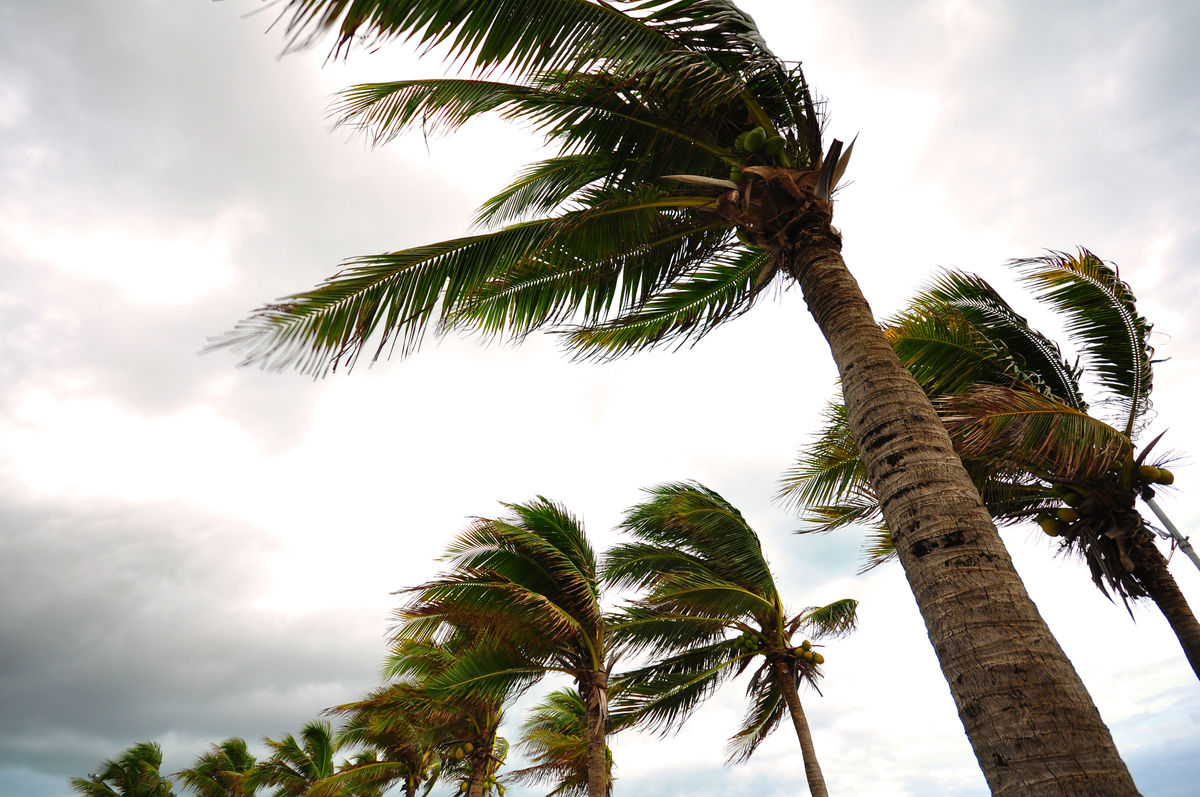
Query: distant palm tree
x,y
134,774
1016,411
421,732
710,611
295,766
691,176
525,586
223,771
554,738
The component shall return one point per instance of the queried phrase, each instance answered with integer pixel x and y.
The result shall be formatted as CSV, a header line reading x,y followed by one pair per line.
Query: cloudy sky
x,y
191,551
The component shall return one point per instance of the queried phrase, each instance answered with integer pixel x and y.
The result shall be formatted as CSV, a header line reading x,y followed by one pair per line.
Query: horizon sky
x,y
191,551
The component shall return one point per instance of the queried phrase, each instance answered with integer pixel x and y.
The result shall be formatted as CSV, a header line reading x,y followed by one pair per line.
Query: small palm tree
x,y
711,611
423,735
296,766
1016,411
223,771
525,586
134,774
554,737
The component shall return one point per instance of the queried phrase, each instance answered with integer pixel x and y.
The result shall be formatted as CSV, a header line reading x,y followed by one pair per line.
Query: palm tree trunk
x,y
595,697
1153,573
1031,722
479,767
786,678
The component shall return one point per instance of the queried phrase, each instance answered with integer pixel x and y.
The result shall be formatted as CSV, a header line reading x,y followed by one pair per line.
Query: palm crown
x,y
223,771
1016,410
134,774
625,238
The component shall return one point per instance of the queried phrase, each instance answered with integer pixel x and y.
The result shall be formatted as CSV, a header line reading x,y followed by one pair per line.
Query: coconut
x,y
1148,473
1165,476
468,747
755,139
1067,515
806,645
818,658
773,146
1052,526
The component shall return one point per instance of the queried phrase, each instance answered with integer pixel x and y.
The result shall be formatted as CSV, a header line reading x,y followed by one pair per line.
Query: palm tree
x,y
223,771
554,737
296,766
418,733
134,774
525,586
1016,411
691,176
711,611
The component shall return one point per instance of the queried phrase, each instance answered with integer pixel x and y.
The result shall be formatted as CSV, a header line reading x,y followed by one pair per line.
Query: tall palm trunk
x,y
1152,571
786,678
595,697
1031,722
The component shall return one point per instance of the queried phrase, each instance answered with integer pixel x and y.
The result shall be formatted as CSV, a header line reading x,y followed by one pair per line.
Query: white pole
x,y
1182,541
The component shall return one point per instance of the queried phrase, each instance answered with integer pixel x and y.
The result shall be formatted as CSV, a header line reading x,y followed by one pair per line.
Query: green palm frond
x,y
683,313
545,185
1102,319
690,517
662,696
828,469
1031,431
766,709
831,621
646,628
994,333
397,296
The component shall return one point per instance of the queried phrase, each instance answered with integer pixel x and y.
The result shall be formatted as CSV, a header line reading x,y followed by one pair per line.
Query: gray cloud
x,y
124,623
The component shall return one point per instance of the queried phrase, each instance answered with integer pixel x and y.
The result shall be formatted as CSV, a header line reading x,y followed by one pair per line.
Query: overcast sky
x,y
191,551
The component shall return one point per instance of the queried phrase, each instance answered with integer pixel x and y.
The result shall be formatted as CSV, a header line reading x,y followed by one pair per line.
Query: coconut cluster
x,y
749,643
489,783
760,150
806,652
1058,521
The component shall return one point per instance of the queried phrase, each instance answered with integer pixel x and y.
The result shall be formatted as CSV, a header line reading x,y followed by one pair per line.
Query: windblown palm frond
x,y
1103,321
1033,432
1010,347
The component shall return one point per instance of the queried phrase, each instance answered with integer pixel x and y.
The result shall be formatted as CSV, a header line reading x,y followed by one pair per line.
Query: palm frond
x,y
828,469
693,518
1031,431
1018,350
545,185
1102,319
833,620
767,707
685,312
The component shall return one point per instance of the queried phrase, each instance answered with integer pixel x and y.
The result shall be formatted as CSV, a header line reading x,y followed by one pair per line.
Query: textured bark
x,y
1153,573
1031,722
596,699
812,770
